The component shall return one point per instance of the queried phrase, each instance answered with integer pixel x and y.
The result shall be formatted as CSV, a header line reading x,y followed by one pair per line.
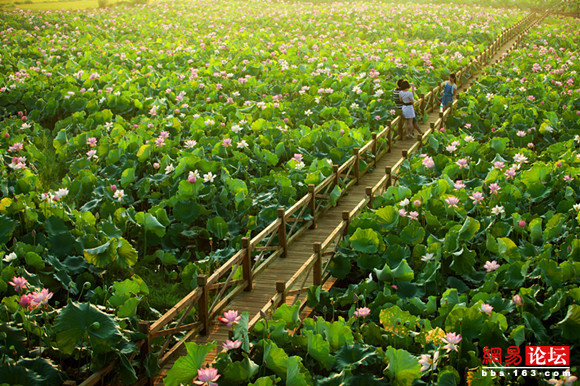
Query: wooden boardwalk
x,y
282,269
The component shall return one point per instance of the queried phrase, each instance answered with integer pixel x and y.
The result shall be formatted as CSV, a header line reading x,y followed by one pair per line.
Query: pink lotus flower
x,y
518,300
231,345
230,318
207,376
428,162
402,212
452,339
159,141
92,142
16,147
491,265
25,301
297,157
458,185
226,142
494,188
19,283
413,215
486,308
510,173
193,176
40,298
417,203
452,201
92,154
362,312
498,164
462,163
477,197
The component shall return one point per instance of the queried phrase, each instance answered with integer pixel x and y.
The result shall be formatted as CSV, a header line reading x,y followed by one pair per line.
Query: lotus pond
x,y
139,146
477,246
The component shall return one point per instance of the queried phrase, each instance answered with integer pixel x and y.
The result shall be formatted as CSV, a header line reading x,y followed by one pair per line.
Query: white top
x,y
406,96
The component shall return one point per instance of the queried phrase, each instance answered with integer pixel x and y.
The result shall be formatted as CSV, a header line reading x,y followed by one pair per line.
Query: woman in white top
x,y
406,96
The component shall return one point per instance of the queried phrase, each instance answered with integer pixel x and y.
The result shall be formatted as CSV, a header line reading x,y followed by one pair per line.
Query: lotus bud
x,y
522,224
87,285
559,164
113,187
95,326
417,203
6,135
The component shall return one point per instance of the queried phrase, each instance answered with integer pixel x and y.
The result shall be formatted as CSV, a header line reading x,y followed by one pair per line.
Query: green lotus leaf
x,y
365,240
185,367
403,367
78,322
570,325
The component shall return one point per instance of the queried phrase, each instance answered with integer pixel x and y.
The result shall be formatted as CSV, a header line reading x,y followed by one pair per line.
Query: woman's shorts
x,y
408,112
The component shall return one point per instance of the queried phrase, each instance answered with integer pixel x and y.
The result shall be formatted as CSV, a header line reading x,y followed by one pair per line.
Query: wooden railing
x,y
192,314
317,264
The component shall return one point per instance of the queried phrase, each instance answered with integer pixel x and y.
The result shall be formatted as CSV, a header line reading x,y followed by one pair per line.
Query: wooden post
x,y
312,204
144,326
335,174
281,289
374,148
388,173
389,136
346,217
432,126
369,193
356,164
422,108
317,268
401,127
203,304
405,154
433,98
282,231
247,263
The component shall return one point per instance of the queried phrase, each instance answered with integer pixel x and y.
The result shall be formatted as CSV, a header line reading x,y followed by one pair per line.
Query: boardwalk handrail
x,y
273,241
316,263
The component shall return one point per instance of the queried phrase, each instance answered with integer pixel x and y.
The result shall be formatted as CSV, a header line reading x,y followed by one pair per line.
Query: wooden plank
x,y
267,262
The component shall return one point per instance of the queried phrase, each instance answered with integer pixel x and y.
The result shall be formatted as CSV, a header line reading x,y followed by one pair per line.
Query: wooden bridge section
x,y
292,253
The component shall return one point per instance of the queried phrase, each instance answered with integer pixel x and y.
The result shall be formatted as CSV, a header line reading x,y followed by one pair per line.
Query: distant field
x,y
42,5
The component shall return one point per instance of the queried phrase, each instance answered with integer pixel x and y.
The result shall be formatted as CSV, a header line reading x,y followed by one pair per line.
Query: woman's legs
x,y
409,127
416,127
